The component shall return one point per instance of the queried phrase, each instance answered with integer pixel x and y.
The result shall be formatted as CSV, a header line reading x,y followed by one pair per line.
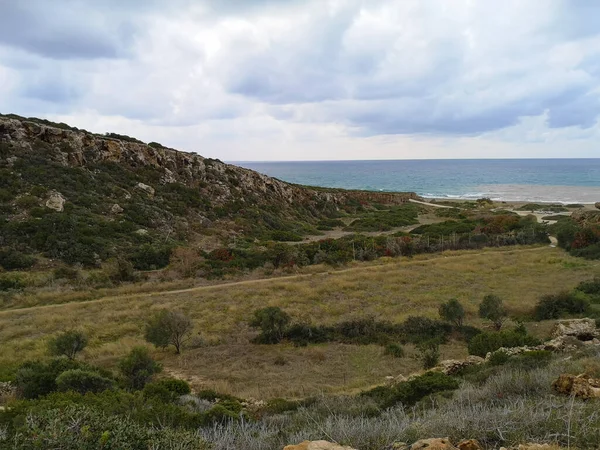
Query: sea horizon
x,y
547,180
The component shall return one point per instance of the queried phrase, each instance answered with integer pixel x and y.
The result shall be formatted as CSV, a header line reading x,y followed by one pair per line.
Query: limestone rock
x,y
316,445
583,329
141,232
469,444
579,386
433,444
452,366
11,160
144,187
116,209
56,201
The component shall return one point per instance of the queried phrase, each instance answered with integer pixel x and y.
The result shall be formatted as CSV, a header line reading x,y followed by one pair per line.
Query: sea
x,y
530,180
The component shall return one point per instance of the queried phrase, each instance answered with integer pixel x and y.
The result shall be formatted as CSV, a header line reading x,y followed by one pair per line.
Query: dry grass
x,y
390,289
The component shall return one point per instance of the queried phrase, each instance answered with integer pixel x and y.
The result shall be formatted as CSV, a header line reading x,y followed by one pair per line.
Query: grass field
x,y
387,289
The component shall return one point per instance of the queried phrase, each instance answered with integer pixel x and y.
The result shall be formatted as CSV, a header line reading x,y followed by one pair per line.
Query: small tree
x,y
138,368
169,328
491,308
67,344
452,311
272,322
429,353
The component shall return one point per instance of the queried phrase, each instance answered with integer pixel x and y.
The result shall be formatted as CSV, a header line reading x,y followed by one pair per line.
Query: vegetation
x,y
138,368
490,341
492,309
67,344
452,311
169,328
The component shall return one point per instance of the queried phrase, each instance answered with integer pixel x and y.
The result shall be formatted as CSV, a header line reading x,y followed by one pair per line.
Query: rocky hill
x,y
81,197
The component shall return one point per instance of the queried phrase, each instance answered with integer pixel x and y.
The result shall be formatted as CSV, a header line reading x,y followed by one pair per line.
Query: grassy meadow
x,y
221,357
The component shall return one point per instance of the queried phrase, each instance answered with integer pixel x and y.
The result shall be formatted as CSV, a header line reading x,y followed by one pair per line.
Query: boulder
x,y
116,209
577,385
433,444
147,189
469,444
597,205
316,445
582,329
56,201
452,366
538,447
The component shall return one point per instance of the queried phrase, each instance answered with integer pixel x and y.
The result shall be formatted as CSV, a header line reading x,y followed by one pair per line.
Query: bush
x,y
11,259
169,328
591,287
65,272
429,353
67,344
10,283
491,308
410,392
82,381
35,379
490,341
302,334
468,332
416,329
151,257
394,350
534,359
498,358
138,368
365,331
167,390
557,305
272,321
452,311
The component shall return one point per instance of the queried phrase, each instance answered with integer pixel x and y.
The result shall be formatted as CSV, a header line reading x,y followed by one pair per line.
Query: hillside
x,y
79,197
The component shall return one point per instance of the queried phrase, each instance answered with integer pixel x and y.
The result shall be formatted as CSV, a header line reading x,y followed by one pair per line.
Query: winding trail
x,y
260,281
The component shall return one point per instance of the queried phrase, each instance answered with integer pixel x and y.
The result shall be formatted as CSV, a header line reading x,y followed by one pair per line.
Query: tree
x,y
429,353
272,322
138,368
169,328
67,344
491,308
452,311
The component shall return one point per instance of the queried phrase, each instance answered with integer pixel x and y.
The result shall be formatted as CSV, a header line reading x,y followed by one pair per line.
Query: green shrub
x,y
468,332
272,322
302,334
65,272
175,385
492,309
410,392
452,311
365,331
35,379
68,344
490,341
416,329
590,287
11,259
138,368
534,359
169,328
151,257
429,353
394,350
498,358
82,381
555,306
10,283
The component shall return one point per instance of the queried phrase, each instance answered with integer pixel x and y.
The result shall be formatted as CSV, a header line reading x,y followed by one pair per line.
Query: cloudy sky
x,y
308,80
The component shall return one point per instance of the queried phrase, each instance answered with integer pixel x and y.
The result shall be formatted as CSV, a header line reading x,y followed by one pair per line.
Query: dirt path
x,y
430,204
259,281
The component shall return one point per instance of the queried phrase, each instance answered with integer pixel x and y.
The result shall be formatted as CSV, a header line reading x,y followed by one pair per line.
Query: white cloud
x,y
328,79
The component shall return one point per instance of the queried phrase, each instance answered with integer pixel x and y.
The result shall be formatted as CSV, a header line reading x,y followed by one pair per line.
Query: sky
x,y
244,80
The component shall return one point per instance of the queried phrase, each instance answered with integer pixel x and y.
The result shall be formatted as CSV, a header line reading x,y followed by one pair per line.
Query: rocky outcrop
x,y
577,385
147,189
316,445
220,182
56,201
438,444
453,366
582,329
586,216
597,205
